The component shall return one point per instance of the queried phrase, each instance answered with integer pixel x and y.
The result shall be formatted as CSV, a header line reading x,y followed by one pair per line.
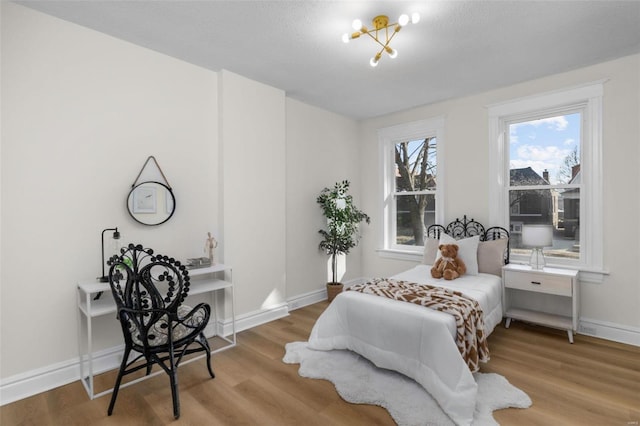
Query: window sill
x,y
414,256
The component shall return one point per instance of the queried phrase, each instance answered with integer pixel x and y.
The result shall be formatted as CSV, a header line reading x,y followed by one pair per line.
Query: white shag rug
x,y
359,381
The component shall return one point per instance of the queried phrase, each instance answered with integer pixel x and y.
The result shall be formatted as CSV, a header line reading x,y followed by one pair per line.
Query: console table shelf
x,y
203,281
542,318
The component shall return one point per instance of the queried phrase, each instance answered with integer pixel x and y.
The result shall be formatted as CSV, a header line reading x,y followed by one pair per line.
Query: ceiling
x,y
458,48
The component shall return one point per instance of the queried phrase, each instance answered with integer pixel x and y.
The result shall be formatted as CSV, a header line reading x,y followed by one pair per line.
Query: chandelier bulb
x,y
381,23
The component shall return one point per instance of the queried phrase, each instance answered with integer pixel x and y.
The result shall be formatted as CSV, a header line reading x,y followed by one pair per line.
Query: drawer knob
x,y
536,282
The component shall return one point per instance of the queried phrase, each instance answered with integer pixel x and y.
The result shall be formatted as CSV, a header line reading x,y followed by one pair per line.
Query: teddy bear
x,y
448,266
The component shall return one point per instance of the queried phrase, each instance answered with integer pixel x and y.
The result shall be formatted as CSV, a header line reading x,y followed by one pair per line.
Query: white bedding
x,y
411,339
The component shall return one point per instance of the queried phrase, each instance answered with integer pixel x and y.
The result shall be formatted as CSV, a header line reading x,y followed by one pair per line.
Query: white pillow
x,y
467,251
491,256
430,251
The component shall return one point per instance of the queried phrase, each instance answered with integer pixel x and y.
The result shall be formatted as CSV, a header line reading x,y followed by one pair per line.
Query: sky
x,y
544,144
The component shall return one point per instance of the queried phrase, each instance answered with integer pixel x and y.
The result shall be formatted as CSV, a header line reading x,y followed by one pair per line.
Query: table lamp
x,y
116,236
537,237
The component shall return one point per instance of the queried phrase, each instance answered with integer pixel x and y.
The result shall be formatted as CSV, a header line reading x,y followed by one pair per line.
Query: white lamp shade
x,y
537,235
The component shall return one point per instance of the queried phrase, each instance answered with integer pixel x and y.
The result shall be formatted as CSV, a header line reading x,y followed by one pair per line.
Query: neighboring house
x,y
560,208
531,205
571,202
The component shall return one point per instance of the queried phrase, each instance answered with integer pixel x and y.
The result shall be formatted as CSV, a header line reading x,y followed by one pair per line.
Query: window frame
x,y
388,137
587,99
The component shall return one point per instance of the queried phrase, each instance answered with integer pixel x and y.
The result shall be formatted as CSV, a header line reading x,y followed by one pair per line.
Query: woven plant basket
x,y
333,289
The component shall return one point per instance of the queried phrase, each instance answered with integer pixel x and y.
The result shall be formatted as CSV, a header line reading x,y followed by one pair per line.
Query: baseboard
x,y
33,382
307,299
39,380
610,331
256,318
316,296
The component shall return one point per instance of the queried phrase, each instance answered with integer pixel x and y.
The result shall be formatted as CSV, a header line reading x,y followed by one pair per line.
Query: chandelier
x,y
382,33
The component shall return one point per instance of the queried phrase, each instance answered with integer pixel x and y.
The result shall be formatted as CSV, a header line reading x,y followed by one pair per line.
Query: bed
x,y
416,341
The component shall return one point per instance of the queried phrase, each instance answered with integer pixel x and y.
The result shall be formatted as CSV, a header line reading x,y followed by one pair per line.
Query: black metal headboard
x,y
468,228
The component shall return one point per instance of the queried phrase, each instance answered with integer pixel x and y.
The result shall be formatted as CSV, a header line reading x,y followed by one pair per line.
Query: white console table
x,y
551,296
203,281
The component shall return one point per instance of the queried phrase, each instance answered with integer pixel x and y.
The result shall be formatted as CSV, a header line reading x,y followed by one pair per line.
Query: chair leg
x,y
116,387
173,378
202,340
174,394
213,376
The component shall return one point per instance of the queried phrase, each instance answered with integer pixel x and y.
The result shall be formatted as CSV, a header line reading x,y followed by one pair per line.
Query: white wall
x,y
81,112
322,148
253,151
612,304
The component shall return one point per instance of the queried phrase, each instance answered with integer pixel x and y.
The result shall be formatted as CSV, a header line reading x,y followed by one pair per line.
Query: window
x,y
546,155
412,183
544,180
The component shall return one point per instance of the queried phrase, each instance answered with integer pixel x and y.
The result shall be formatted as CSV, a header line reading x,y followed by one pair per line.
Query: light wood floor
x,y
592,382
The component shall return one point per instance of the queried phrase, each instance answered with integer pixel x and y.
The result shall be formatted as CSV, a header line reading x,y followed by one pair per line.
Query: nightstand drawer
x,y
541,283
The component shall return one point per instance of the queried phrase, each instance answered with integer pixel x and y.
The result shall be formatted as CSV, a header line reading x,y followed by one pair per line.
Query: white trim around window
x,y
589,98
388,137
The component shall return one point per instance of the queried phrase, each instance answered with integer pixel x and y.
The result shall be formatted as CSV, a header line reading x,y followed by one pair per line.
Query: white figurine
x,y
210,246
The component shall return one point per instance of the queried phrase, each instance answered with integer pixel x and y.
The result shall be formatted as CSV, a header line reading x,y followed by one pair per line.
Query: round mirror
x,y
151,203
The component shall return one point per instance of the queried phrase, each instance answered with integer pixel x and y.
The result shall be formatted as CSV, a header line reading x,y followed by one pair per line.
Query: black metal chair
x,y
149,290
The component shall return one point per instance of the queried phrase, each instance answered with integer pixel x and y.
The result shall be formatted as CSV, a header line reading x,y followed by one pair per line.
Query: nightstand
x,y
547,296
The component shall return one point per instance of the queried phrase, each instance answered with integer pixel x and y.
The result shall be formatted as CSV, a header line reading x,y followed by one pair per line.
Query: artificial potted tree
x,y
342,232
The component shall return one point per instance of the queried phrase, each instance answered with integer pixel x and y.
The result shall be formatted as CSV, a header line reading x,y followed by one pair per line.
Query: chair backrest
x,y
148,288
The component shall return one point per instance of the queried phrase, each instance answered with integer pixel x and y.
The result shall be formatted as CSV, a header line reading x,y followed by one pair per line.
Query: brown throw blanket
x,y
470,337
